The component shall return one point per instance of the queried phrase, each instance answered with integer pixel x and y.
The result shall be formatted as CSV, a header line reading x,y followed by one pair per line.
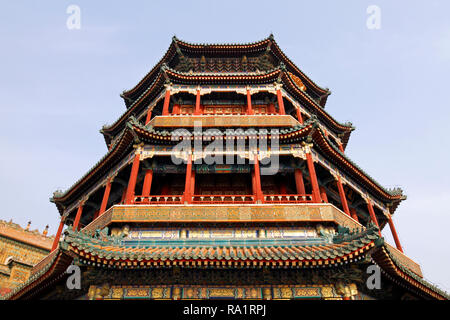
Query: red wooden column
x,y
373,216
283,189
193,183
197,104
176,109
353,214
342,195
146,188
124,194
105,197
299,181
299,116
394,234
253,184
58,233
272,108
78,217
259,194
149,116
280,102
129,198
165,189
249,103
187,186
323,194
313,177
165,110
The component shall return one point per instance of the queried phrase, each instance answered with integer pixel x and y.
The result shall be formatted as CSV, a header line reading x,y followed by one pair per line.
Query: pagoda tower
x,y
226,178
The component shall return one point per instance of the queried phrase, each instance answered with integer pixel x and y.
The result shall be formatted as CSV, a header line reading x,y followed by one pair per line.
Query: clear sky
x,y
59,86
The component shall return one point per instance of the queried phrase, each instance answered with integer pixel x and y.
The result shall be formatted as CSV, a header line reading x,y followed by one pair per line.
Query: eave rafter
x,y
343,129
200,78
172,76
268,44
403,276
342,161
105,251
131,95
134,130
291,66
180,48
333,154
100,169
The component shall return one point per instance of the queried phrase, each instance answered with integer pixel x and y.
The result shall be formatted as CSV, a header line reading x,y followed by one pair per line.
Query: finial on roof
x,y
57,193
174,38
130,122
45,231
349,124
271,37
314,121
28,226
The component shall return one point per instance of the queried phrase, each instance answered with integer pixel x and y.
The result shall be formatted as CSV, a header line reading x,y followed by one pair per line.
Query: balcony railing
x,y
287,198
159,199
217,199
328,213
243,113
223,199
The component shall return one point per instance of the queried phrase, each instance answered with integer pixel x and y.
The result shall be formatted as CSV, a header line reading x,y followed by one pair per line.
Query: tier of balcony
x,y
222,199
227,120
226,213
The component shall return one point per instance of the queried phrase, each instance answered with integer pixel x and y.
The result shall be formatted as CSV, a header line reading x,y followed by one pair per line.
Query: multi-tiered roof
x,y
182,225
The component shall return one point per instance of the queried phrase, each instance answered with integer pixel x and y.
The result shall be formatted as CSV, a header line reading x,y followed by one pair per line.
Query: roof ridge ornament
x,y
178,49
314,121
164,67
132,121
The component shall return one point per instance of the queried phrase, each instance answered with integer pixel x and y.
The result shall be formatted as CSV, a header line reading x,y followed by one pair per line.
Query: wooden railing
x,y
158,199
100,222
243,113
137,213
223,199
217,199
287,198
